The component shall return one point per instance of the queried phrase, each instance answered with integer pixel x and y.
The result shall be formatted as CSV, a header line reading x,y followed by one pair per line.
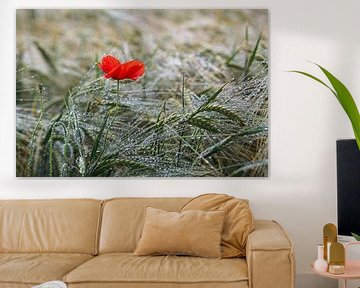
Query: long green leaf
x,y
344,97
48,133
252,56
211,99
347,102
232,56
357,237
316,79
219,146
48,59
95,147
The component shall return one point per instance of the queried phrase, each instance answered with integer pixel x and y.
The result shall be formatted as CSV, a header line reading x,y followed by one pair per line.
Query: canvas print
x,y
149,93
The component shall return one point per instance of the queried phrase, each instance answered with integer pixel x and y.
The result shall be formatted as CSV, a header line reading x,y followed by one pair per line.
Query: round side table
x,y
352,269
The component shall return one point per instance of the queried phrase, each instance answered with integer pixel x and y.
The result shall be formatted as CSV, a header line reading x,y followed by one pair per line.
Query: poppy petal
x,y
133,69
116,73
108,63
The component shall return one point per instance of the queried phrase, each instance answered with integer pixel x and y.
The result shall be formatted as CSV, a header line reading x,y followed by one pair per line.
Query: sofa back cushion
x,y
238,224
66,226
123,220
193,232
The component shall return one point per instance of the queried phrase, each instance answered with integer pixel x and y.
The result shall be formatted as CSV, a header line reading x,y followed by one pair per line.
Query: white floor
x,y
311,280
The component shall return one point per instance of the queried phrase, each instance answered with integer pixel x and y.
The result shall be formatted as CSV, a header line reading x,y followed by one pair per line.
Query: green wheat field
x,y
199,110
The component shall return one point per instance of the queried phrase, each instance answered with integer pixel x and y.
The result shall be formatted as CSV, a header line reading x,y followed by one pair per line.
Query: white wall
x,y
304,124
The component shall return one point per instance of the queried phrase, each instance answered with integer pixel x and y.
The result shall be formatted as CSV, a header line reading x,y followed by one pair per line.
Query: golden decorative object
x,y
336,269
337,254
337,258
330,236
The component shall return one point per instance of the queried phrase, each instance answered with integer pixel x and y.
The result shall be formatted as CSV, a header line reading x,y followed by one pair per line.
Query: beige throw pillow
x,y
239,220
194,232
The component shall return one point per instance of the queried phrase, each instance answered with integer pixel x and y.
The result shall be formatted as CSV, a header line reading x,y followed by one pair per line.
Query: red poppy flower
x,y
116,70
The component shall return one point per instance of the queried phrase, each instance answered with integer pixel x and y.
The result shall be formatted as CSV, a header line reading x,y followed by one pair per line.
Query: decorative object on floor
x,y
199,110
320,264
329,236
52,284
344,97
194,233
239,220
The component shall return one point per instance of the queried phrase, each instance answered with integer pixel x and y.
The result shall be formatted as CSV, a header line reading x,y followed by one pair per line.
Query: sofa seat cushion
x,y
127,268
36,268
15,285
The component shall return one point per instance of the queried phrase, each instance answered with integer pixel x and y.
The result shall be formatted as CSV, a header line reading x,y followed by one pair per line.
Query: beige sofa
x,y
89,243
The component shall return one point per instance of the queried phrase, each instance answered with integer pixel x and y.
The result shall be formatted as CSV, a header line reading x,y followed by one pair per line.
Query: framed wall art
x,y
149,93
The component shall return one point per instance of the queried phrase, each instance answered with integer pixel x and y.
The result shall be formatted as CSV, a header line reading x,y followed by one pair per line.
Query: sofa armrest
x,y
269,256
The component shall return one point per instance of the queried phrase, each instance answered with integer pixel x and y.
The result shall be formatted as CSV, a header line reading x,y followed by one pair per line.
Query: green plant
x,y
356,236
344,97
